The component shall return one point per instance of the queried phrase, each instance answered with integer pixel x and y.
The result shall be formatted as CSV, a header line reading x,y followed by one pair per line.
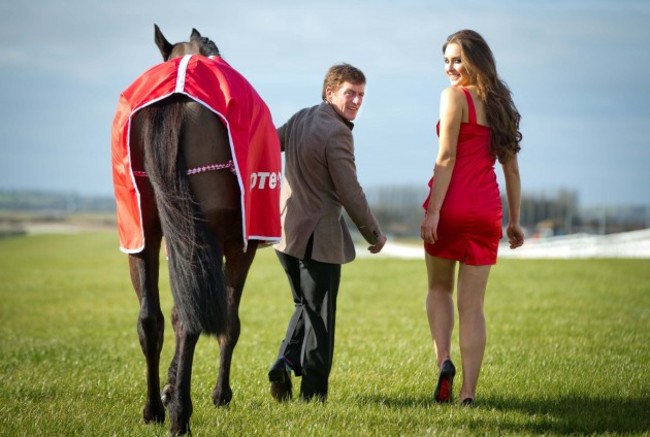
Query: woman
x,y
479,124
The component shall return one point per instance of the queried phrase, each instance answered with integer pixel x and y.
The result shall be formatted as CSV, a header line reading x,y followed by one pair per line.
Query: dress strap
x,y
470,106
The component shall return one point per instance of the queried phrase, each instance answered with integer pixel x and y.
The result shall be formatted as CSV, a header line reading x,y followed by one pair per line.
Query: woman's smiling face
x,y
454,67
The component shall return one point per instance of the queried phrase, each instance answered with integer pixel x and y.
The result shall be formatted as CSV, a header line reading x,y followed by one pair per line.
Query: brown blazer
x,y
320,179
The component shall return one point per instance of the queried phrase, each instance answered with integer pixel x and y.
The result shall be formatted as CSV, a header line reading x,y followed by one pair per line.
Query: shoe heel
x,y
444,388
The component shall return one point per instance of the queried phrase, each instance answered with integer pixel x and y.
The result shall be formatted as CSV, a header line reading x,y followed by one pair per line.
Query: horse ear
x,y
164,46
195,34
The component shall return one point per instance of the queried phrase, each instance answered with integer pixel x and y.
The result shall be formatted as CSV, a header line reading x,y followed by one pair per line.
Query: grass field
x,y
568,349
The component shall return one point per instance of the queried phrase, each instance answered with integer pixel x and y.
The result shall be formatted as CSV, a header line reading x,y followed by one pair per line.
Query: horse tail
x,y
195,262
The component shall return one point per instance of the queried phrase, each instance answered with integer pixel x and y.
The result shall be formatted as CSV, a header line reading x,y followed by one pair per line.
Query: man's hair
x,y
338,74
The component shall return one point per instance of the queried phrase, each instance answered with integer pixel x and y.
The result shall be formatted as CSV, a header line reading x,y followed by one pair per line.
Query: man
x,y
320,180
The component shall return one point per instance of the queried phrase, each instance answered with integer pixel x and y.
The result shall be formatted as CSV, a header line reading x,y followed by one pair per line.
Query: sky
x,y
578,70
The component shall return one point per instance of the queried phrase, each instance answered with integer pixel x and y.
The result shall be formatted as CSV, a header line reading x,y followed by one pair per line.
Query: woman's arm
x,y
513,192
451,116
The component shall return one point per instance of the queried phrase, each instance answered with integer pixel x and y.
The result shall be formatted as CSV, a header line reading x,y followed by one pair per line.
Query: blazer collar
x,y
330,110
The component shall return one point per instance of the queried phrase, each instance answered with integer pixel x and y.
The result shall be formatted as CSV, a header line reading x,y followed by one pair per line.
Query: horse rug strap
x,y
196,170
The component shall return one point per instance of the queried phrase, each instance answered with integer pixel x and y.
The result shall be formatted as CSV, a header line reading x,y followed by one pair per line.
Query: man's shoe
x,y
443,390
313,397
280,379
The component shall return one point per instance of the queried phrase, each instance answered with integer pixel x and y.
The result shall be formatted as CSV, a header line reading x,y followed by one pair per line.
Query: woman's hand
x,y
429,227
515,235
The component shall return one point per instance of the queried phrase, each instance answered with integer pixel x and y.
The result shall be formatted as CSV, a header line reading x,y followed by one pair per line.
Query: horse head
x,y
197,45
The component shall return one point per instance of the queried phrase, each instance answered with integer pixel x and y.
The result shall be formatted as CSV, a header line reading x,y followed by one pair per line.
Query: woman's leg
x,y
440,304
472,282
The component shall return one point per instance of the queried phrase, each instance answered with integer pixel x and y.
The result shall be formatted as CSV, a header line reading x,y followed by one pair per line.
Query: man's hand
x,y
376,248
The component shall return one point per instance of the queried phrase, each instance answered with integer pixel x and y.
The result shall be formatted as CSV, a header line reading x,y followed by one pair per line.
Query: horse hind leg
x,y
151,326
144,269
168,391
175,396
218,196
180,402
236,267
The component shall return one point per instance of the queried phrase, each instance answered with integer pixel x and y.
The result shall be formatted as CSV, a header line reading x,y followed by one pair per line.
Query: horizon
x,y
370,191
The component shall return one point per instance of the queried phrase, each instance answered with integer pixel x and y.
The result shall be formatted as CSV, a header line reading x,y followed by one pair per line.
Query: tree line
x,y
397,207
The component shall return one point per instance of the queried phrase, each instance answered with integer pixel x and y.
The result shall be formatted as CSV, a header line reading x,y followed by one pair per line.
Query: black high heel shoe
x,y
442,394
467,402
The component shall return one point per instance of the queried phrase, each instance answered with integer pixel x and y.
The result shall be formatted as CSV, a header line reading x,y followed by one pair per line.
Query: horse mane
x,y
208,47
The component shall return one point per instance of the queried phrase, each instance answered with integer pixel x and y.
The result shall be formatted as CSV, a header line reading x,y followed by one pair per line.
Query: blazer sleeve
x,y
343,171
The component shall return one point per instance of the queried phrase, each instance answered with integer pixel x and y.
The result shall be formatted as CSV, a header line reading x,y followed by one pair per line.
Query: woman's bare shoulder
x,y
452,94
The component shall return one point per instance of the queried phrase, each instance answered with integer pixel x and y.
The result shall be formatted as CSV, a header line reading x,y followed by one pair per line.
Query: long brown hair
x,y
501,112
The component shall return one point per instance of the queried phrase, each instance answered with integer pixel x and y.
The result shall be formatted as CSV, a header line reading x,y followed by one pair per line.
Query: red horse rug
x,y
254,142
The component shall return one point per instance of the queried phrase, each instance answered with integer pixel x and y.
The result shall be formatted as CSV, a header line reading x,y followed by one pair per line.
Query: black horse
x,y
200,216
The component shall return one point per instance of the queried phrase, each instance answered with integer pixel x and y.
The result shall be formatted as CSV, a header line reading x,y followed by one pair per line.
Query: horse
x,y
199,214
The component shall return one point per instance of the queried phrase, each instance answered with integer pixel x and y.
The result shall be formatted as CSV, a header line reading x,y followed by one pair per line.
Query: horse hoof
x,y
221,398
180,431
151,416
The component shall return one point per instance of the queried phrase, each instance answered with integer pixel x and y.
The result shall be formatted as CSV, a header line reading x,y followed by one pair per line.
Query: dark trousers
x,y
309,342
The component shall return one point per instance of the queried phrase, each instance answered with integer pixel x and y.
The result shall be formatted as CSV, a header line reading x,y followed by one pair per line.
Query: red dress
x,y
471,214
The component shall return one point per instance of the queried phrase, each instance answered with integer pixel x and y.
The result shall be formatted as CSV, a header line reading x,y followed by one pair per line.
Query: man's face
x,y
347,99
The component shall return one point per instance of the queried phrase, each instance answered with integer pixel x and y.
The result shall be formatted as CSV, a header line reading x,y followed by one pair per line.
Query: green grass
x,y
568,349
